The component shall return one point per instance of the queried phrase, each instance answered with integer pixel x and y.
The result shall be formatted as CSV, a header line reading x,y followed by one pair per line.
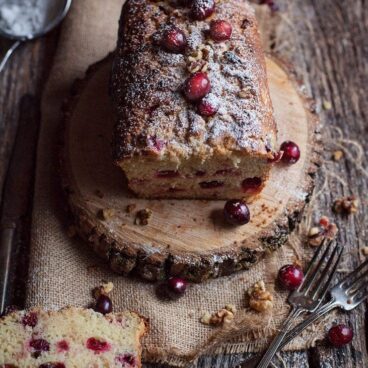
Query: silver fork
x,y
309,294
348,294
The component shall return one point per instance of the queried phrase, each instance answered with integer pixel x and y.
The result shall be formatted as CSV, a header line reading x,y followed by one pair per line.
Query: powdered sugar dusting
x,y
153,90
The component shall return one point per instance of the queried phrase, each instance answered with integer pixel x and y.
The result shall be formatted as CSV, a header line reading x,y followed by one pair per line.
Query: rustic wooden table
x,y
328,45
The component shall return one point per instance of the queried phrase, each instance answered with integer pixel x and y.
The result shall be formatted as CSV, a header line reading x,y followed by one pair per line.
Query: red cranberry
x,y
291,152
52,365
220,30
30,319
340,335
103,304
197,86
39,345
97,346
62,346
211,184
167,174
291,277
126,360
236,212
206,108
251,184
174,40
177,285
202,9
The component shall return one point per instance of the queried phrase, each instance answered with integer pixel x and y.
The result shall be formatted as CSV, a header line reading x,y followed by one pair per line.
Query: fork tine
x,y
310,276
329,270
360,294
357,283
352,276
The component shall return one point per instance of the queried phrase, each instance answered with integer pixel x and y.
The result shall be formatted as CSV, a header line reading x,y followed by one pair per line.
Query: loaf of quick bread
x,y
70,338
189,86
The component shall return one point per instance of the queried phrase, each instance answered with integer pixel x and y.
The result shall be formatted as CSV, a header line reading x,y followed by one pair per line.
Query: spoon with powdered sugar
x,y
25,20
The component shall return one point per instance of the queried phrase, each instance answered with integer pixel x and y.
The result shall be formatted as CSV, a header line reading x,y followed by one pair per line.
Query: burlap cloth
x,y
63,271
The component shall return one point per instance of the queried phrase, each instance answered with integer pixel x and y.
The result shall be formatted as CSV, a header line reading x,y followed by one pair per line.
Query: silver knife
x,y
18,188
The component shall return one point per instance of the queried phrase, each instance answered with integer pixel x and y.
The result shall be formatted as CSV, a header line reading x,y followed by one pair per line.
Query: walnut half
x,y
260,299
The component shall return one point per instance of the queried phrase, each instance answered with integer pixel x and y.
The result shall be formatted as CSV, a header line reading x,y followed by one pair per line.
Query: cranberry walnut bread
x,y
71,337
194,116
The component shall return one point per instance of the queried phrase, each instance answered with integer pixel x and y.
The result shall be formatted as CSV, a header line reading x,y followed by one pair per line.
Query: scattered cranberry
x,y
202,9
30,319
62,346
126,360
340,335
197,86
39,345
291,153
167,174
206,108
211,184
52,365
174,40
103,304
291,277
97,346
236,212
251,184
220,30
177,285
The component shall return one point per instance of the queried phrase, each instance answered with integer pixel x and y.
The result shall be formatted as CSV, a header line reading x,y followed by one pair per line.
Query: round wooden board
x,y
183,237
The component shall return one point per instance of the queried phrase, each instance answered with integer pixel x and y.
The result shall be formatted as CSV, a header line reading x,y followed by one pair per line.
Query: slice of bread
x,y
70,338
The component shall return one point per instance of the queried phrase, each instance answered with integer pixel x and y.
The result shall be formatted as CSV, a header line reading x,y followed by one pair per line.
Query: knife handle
x,y
6,244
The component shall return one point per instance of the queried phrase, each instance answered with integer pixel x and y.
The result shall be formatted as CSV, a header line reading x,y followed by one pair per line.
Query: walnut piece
x,y
103,289
222,317
338,155
143,216
260,299
107,213
346,205
365,251
325,230
130,208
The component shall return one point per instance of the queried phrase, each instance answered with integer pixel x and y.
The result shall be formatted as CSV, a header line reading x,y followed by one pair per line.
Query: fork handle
x,y
313,317
276,342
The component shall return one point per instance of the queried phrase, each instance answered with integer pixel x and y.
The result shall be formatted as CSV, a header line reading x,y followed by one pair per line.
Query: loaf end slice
x,y
71,337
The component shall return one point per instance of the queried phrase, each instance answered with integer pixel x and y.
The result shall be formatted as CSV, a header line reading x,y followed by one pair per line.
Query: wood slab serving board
x,y
183,237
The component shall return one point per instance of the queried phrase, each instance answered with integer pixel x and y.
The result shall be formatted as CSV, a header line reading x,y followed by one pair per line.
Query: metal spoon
x,y
54,12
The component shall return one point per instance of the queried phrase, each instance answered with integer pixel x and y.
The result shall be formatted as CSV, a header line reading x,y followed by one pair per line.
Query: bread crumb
x,y
260,300
130,208
338,155
143,216
107,213
327,105
365,251
346,205
191,313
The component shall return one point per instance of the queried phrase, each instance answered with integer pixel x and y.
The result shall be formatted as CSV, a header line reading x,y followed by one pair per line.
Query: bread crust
x,y
154,118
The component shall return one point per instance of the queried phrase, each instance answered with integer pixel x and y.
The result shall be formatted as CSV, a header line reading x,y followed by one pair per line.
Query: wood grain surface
x,y
328,44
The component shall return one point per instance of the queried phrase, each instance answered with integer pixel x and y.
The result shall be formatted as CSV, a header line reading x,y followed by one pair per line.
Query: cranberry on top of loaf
x,y
70,338
194,116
